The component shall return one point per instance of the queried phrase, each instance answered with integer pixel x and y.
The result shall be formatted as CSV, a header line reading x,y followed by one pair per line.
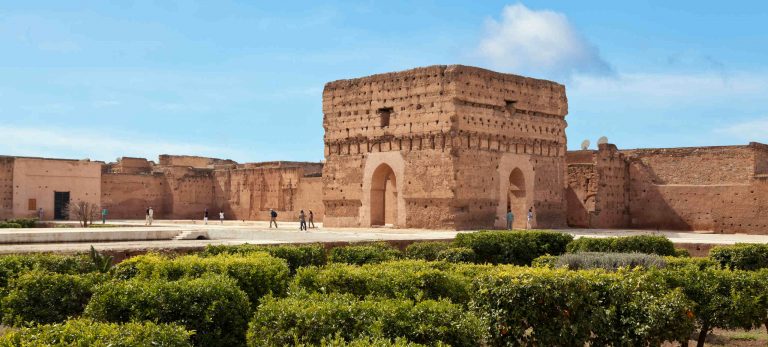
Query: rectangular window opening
x,y
32,205
385,113
511,106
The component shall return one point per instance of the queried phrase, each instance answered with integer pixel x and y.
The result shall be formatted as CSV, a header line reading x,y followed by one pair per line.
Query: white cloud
x,y
83,143
539,42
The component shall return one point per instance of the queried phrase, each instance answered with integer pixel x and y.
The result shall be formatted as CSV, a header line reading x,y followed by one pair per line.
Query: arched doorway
x,y
383,196
516,197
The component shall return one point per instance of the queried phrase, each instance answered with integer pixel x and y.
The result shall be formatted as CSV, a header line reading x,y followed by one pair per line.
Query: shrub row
x,y
648,244
212,306
548,307
12,266
407,279
90,333
8,225
44,297
516,247
24,222
257,274
372,253
308,319
296,255
745,256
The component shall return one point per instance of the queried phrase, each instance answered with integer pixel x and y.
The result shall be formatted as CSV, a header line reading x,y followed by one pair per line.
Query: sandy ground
x,y
256,232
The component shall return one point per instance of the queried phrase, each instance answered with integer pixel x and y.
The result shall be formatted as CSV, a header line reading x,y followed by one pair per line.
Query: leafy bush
x,y
545,261
364,254
407,279
427,250
296,255
697,263
545,307
743,256
257,274
682,253
648,244
608,261
12,266
310,319
212,306
457,255
89,333
25,222
513,247
44,297
9,225
722,298
368,341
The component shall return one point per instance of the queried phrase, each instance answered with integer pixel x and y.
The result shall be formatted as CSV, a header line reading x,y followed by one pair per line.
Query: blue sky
x,y
243,79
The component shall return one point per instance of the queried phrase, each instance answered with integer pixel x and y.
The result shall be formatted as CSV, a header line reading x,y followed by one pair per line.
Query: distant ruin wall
x,y
127,196
6,187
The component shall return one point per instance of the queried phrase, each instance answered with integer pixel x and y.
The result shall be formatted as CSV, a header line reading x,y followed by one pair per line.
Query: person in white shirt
x,y
150,215
530,218
221,216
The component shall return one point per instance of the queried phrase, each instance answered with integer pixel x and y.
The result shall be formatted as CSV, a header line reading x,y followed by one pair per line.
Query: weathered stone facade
x,y
444,147
722,189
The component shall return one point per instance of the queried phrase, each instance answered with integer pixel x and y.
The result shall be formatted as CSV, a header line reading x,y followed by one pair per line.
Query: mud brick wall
x,y
449,136
6,187
127,196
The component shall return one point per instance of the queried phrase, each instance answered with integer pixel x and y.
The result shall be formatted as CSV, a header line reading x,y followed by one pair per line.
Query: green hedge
x,y
457,255
648,244
24,222
296,255
426,250
38,297
81,333
513,247
368,341
545,307
364,254
406,279
743,256
257,274
310,319
9,225
12,266
212,306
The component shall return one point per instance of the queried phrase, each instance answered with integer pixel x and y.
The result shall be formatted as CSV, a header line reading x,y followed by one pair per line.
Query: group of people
x,y
511,219
303,219
205,217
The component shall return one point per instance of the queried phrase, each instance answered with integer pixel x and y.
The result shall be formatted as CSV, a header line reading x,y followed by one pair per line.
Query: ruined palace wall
x,y
127,196
6,187
417,126
710,188
189,192
612,198
696,165
39,178
580,194
127,165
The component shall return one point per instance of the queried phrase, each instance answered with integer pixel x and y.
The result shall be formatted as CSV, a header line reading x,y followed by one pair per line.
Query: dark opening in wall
x,y
510,106
384,114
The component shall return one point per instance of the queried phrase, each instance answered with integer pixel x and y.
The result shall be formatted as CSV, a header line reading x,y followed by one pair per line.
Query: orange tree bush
x,y
548,307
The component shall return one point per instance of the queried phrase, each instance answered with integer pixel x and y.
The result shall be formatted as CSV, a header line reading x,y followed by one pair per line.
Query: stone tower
x,y
444,147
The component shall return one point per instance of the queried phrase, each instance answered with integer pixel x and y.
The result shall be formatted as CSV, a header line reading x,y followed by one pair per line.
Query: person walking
x,y
104,215
530,219
302,221
272,218
146,217
311,219
221,216
510,219
150,215
205,216
40,214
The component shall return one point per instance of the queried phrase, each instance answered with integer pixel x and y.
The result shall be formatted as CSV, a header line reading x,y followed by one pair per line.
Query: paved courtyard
x,y
165,234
